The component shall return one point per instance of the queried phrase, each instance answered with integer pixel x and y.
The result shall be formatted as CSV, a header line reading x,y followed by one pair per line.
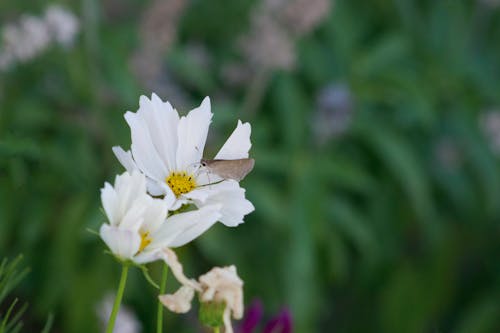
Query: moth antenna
x,y
209,181
196,165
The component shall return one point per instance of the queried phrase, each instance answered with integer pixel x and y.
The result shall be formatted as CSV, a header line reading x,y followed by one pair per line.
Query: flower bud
x,y
211,313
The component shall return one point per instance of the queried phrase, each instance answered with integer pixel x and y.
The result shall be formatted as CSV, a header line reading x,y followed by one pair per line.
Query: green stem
x,y
118,299
163,286
216,330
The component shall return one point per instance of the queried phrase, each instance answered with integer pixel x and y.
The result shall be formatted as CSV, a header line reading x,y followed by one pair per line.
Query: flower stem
x,y
118,299
163,286
216,329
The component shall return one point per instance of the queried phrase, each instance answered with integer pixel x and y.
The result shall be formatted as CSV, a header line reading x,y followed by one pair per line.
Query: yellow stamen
x,y
145,241
180,182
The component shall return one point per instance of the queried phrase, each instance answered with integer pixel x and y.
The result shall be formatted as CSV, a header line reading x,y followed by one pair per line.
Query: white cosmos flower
x,y
168,148
139,229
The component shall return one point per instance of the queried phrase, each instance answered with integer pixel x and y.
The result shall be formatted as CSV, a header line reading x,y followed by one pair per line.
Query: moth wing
x,y
232,169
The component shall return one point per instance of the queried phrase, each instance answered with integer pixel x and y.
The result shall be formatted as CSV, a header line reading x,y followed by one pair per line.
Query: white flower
x,y
62,24
139,229
126,320
168,149
220,285
26,39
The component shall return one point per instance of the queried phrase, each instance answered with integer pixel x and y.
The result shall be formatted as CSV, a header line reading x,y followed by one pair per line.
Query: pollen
x,y
180,182
145,241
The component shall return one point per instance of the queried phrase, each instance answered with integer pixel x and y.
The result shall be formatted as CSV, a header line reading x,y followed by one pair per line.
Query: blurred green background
x,y
376,134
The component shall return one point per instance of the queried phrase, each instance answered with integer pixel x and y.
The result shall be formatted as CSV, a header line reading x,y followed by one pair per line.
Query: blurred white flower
x,y
303,16
157,32
126,321
275,27
139,229
168,149
267,45
219,285
62,24
490,125
26,39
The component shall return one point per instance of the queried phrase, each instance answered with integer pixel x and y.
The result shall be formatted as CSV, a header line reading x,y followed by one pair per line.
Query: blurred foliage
x,y
9,278
376,230
10,318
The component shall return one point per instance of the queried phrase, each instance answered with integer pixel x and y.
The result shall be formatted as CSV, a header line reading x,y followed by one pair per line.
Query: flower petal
x,y
238,144
235,206
125,158
192,135
252,317
202,193
123,243
132,199
161,120
154,214
109,202
120,200
182,228
156,188
230,195
144,152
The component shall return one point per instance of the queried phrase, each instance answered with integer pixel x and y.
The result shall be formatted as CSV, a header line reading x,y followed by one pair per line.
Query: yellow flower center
x,y
145,241
180,182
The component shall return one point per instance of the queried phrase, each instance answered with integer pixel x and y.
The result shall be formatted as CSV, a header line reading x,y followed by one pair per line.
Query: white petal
x,y
238,144
202,193
234,208
155,188
132,220
125,158
162,121
143,150
132,199
122,242
128,188
179,202
170,198
145,257
154,215
109,202
228,194
195,231
192,135
182,228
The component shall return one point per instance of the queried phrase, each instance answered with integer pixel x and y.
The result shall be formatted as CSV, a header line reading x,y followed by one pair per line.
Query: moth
x,y
229,169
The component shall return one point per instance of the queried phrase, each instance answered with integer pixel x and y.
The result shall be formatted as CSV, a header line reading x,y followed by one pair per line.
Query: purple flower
x,y
252,317
282,323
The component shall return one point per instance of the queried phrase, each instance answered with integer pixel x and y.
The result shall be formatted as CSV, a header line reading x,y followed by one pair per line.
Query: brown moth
x,y
229,169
